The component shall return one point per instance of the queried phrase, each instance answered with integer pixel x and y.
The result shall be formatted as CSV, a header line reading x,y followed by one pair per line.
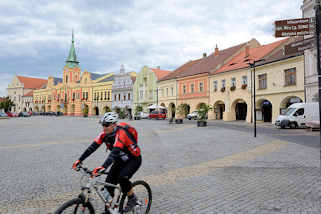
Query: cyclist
x,y
125,156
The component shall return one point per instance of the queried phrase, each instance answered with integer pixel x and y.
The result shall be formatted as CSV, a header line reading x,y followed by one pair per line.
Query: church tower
x,y
71,73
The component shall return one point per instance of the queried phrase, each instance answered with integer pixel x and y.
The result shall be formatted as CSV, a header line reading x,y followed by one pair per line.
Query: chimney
x,y
216,51
204,55
247,50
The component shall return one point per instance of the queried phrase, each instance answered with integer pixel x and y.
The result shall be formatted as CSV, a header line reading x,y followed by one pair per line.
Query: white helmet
x,y
109,117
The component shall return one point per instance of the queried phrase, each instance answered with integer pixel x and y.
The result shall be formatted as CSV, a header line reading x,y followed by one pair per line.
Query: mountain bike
x,y
83,203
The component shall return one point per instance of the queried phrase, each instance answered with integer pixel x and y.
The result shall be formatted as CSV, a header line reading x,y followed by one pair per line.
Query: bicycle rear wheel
x,y
144,195
76,206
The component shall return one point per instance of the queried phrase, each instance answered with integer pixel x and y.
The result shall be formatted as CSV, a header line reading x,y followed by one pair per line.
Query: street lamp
x,y
252,65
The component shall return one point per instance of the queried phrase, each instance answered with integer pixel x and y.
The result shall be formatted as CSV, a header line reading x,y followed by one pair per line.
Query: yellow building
x,y
76,91
279,82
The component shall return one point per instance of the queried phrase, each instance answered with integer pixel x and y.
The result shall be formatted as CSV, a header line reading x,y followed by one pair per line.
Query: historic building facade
x,y
122,90
310,59
76,91
145,88
20,91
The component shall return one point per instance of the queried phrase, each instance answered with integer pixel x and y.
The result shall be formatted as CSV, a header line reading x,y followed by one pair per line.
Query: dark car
x,y
24,114
59,113
157,115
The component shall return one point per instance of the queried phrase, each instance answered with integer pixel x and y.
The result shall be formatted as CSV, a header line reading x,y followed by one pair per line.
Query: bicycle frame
x,y
93,184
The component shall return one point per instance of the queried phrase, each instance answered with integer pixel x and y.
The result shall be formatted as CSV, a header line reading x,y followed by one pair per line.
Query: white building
x,y
20,92
310,59
122,90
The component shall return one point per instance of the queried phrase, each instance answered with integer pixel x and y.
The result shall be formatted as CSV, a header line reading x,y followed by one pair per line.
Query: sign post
x,y
302,27
317,32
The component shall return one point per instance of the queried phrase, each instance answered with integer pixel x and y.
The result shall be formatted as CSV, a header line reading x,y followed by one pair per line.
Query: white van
x,y
298,114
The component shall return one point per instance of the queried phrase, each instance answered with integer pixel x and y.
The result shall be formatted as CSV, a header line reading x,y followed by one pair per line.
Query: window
x,y
128,96
299,112
223,84
124,97
115,97
66,78
172,91
73,96
108,95
184,89
262,81
118,97
101,95
233,81
290,76
167,92
215,85
201,87
192,88
141,94
150,94
86,95
244,80
95,96
105,95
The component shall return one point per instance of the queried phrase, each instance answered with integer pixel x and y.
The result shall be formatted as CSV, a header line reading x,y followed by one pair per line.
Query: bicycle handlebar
x,y
90,172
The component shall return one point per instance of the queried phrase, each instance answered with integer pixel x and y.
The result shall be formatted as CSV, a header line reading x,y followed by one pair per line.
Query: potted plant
x,y
222,89
244,86
180,113
85,111
137,110
232,88
202,113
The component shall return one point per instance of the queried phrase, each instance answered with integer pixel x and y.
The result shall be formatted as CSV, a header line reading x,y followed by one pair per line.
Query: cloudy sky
x,y
35,36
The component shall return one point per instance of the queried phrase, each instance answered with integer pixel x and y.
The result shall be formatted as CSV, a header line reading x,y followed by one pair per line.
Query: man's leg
x,y
125,174
112,177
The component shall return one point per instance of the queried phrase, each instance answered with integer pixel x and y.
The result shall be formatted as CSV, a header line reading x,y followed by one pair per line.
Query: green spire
x,y
72,62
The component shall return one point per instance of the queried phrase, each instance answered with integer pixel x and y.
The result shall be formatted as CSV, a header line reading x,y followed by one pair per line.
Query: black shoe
x,y
131,203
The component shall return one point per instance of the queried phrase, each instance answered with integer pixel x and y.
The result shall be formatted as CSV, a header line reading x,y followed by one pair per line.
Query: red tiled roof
x,y
279,55
160,73
211,62
174,74
29,94
240,61
30,82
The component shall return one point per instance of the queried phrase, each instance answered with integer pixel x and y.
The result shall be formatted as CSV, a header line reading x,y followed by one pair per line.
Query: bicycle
x,y
83,203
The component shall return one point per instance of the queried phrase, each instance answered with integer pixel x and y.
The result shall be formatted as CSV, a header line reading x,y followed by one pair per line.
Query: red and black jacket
x,y
119,142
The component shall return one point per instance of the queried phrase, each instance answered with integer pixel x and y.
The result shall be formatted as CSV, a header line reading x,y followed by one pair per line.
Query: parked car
x,y
59,113
298,114
157,115
192,115
143,115
24,114
11,114
2,114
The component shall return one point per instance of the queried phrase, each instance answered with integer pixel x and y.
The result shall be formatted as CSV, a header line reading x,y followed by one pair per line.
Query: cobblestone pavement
x,y
217,169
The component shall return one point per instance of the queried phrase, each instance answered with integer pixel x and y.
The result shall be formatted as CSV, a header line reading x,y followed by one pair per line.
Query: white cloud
x,y
134,33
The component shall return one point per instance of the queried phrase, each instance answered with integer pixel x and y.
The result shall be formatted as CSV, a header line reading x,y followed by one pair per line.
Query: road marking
x,y
173,176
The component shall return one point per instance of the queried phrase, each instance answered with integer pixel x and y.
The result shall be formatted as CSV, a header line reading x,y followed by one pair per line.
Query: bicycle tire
x,y
77,202
149,191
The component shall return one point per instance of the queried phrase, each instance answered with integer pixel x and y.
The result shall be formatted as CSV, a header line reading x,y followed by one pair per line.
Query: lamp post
x,y
252,65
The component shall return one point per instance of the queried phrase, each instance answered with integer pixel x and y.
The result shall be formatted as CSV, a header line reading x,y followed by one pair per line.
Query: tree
x,y
6,104
202,111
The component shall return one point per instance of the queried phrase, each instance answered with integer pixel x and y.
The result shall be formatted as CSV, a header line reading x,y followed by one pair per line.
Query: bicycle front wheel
x,y
76,206
143,193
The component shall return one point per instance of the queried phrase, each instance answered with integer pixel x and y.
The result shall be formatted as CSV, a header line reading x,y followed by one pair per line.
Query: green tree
x,y
202,111
6,104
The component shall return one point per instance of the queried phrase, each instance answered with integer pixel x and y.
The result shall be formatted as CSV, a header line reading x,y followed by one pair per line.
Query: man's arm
x,y
91,149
